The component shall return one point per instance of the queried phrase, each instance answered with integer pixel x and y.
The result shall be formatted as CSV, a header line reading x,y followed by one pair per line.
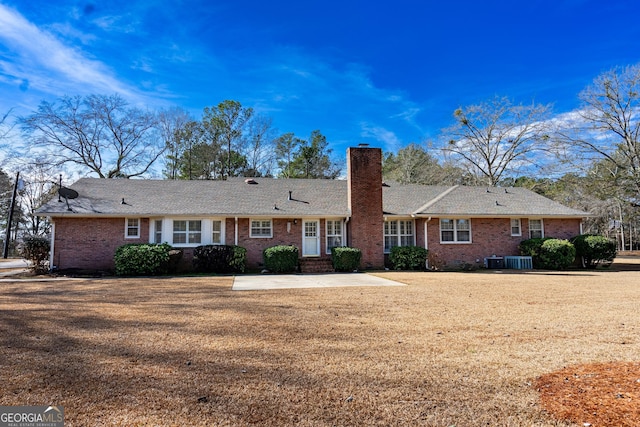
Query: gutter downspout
x,y
346,223
426,241
52,244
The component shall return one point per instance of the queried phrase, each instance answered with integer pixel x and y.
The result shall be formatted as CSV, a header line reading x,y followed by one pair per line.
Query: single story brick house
x,y
457,224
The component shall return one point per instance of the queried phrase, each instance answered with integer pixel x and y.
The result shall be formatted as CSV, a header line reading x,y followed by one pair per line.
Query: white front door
x,y
311,238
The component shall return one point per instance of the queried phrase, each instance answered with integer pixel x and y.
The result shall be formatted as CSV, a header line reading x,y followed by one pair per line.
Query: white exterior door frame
x,y
310,237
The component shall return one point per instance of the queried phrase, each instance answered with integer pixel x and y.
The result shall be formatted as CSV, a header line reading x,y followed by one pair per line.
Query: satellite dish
x,y
68,193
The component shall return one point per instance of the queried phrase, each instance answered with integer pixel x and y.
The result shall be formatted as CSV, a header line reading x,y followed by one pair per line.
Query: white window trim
x,y
455,240
399,235
126,229
186,232
519,226
210,235
270,236
206,225
327,235
206,236
541,226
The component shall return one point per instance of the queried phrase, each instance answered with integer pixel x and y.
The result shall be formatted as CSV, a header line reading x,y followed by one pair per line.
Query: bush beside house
x,y
345,259
281,259
220,259
36,250
142,259
592,249
549,253
557,254
408,257
532,248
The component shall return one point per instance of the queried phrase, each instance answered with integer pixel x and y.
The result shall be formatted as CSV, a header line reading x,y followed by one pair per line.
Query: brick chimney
x,y
364,183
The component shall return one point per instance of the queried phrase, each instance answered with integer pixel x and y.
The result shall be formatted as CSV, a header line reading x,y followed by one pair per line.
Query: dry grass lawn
x,y
463,349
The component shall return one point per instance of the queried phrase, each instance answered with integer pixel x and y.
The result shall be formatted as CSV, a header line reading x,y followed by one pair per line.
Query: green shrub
x,y
219,259
145,259
36,250
345,259
593,249
532,248
281,259
408,258
556,254
175,256
239,259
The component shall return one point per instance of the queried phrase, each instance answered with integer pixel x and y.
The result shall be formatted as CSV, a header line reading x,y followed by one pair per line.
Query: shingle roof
x,y
496,202
269,197
403,199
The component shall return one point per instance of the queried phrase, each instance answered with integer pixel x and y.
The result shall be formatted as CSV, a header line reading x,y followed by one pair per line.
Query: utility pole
x,y
7,237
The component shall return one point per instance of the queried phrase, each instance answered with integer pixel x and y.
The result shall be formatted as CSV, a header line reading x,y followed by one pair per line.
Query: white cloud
x,y
388,138
49,65
116,23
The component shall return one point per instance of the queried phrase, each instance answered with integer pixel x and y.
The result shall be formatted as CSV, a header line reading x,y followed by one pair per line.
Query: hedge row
x,y
157,259
556,254
220,259
148,259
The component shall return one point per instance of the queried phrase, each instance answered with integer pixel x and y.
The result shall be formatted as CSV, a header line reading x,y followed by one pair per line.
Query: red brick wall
x,y
281,236
561,228
489,237
365,227
90,243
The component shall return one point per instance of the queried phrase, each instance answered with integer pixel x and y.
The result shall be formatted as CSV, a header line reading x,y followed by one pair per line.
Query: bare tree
x,y
495,138
39,186
608,125
170,123
414,165
5,126
259,146
98,132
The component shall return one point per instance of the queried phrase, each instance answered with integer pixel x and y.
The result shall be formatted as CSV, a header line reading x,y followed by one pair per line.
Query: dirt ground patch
x,y
464,349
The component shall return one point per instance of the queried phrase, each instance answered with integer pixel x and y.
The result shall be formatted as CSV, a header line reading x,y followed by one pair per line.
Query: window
x,y
216,232
536,229
390,235
515,227
187,232
334,234
157,231
398,233
406,233
455,230
261,228
132,228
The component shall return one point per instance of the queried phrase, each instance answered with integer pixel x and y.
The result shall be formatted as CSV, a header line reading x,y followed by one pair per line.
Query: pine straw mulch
x,y
597,394
461,349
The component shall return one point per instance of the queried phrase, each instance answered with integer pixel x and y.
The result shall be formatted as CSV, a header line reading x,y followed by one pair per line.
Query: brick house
x,y
459,225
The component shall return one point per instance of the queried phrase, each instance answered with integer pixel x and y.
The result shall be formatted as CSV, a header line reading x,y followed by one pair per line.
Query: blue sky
x,y
385,73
